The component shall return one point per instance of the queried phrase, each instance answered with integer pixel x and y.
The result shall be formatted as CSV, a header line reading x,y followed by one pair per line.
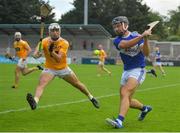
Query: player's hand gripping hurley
x,y
45,10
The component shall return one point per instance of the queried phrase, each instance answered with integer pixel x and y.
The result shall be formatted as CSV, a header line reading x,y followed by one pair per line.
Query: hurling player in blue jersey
x,y
157,60
133,48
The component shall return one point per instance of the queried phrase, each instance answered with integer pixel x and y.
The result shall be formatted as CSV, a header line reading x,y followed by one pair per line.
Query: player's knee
x,y
125,92
43,81
24,73
125,95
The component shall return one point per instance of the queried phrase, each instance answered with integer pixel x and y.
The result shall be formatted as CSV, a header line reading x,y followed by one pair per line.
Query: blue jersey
x,y
132,57
157,55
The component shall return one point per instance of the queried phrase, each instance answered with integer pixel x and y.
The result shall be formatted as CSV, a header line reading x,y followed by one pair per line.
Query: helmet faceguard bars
x,y
17,35
54,26
120,19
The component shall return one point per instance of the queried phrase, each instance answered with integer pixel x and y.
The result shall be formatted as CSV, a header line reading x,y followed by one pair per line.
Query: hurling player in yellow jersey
x,y
55,51
102,55
22,50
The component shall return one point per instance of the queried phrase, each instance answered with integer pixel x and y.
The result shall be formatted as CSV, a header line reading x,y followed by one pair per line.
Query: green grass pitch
x,y
63,108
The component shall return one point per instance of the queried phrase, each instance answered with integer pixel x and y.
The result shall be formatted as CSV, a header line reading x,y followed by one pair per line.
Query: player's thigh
x,y
45,78
24,70
155,67
130,87
101,63
102,66
160,67
71,78
18,69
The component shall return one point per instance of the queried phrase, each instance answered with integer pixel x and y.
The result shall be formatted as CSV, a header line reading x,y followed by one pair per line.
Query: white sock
x,y
90,96
36,99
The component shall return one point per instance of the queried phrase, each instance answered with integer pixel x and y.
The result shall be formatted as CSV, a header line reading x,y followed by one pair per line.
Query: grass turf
x,y
63,108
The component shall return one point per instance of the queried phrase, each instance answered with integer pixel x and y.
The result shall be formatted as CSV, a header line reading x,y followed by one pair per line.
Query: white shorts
x,y
59,73
138,73
22,64
157,64
101,63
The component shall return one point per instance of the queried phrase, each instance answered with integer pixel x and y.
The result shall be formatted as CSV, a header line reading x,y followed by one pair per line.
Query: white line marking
x,y
84,100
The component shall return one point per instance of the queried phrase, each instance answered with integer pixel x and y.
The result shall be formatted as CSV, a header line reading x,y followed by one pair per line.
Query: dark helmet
x,y
120,19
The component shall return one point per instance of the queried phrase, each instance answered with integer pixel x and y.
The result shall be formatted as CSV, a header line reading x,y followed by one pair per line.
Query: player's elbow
x,y
122,45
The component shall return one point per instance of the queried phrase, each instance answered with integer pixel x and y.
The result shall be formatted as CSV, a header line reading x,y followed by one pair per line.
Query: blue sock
x,y
120,117
144,108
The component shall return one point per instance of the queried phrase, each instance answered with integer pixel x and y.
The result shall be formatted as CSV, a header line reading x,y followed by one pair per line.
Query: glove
x,y
10,58
7,55
42,18
51,47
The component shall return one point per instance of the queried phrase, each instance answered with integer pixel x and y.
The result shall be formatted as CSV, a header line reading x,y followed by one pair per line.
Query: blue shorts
x,y
138,73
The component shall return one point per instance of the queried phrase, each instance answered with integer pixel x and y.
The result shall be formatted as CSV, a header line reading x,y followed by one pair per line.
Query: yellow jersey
x,y
61,45
102,55
21,47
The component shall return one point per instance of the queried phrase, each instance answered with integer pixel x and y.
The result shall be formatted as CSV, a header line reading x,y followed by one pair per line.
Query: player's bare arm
x,y
145,48
37,53
28,49
130,43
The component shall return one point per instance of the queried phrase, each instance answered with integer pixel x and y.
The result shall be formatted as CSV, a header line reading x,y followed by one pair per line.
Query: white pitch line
x,y
85,100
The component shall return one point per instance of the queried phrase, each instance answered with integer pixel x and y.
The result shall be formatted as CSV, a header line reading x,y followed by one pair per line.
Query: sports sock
x,y
120,119
90,96
36,99
144,109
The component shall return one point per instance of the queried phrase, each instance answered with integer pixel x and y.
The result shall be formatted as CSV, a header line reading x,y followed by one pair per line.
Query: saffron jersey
x,y
102,55
21,47
60,46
